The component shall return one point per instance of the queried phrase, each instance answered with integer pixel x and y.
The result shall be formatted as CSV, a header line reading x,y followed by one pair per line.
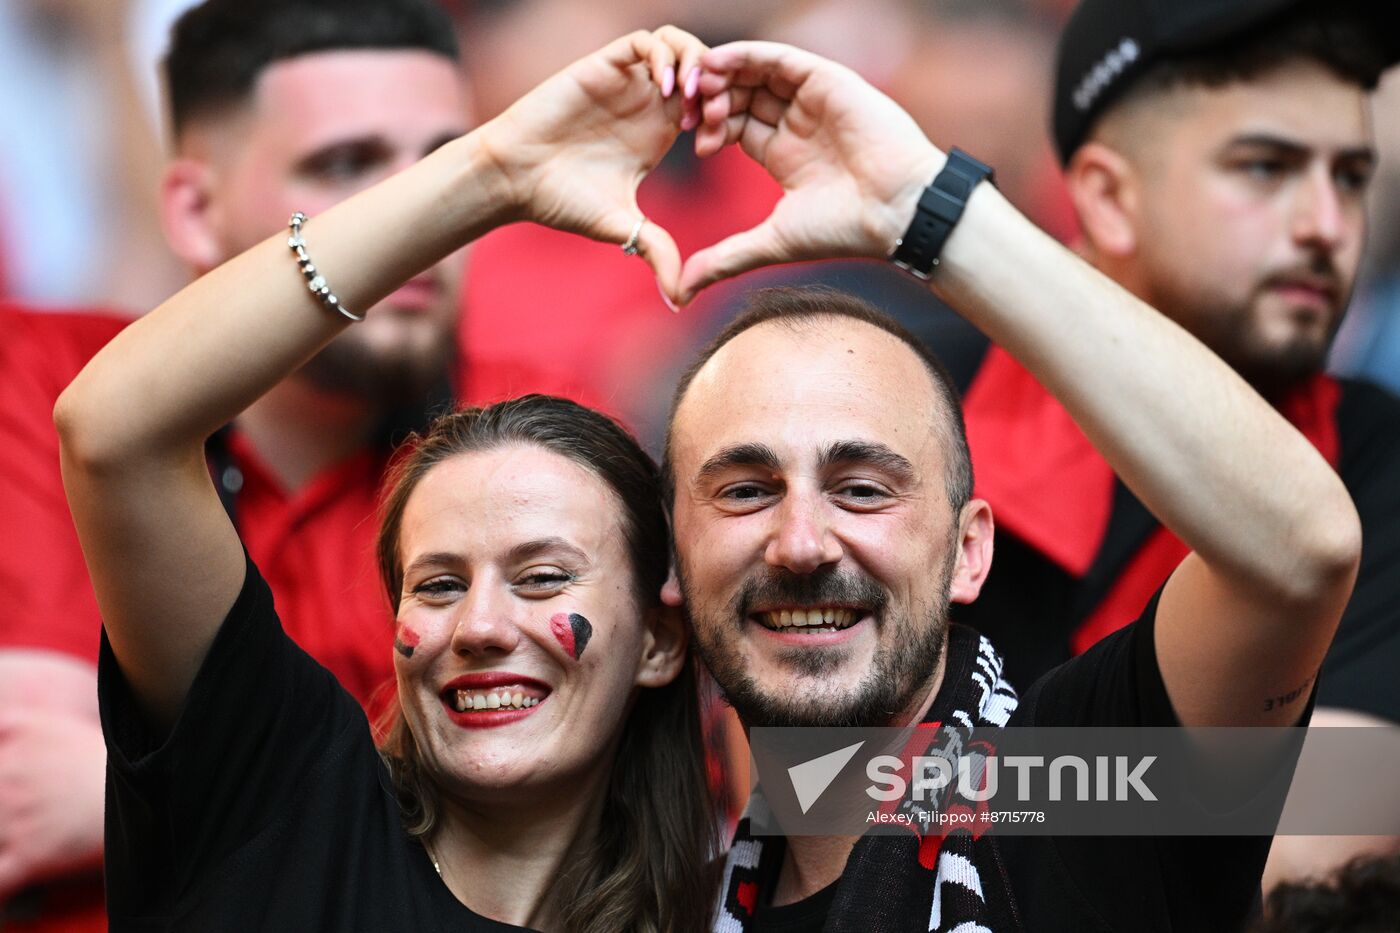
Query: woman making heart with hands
x,y
542,773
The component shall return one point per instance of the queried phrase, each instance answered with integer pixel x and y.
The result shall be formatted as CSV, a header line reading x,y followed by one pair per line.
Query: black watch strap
x,y
940,206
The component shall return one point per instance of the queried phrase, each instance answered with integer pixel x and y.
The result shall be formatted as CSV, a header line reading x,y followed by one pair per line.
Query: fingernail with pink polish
x,y
668,81
692,82
667,298
689,120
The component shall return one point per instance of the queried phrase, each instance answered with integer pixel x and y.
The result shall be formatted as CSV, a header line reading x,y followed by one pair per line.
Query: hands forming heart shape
x,y
850,161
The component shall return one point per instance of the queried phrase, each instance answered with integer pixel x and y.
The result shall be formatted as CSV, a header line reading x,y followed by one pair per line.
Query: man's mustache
x,y
1319,273
828,587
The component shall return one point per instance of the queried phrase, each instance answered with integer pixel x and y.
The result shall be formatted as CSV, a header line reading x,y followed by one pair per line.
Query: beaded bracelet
x,y
314,280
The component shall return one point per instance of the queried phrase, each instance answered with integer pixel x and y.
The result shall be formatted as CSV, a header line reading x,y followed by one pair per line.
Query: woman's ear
x,y
664,647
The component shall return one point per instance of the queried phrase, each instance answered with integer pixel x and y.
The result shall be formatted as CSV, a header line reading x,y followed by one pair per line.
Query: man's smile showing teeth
x,y
812,620
469,700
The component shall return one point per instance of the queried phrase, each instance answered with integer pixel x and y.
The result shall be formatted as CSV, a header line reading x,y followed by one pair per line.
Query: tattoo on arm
x,y
1292,696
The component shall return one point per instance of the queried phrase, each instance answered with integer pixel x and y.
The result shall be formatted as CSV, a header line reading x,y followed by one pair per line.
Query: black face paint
x,y
583,631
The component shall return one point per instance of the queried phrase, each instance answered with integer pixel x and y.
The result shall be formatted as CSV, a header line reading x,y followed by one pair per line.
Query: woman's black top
x,y
267,807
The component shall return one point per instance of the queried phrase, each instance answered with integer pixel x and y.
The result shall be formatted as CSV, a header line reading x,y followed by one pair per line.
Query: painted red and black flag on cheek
x,y
405,640
573,632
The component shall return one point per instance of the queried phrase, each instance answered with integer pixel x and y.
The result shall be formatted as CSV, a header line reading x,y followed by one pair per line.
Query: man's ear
x,y
664,647
1105,189
974,561
188,213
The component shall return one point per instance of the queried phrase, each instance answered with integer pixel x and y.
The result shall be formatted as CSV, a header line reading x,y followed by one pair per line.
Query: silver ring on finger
x,y
631,247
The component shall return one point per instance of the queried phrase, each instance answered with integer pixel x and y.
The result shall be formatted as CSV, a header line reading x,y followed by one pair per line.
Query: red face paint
x,y
573,632
405,641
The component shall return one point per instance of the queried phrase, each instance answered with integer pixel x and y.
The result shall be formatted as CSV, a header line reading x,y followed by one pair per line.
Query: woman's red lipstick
x,y
491,698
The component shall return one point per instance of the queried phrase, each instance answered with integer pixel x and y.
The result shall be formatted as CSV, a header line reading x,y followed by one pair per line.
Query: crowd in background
x,y
85,140
79,171
79,104
79,174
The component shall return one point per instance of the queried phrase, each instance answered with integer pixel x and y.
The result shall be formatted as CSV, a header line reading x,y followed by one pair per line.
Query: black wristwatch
x,y
940,206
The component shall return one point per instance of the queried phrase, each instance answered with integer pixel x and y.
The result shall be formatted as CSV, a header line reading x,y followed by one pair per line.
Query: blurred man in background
x,y
276,107
1217,155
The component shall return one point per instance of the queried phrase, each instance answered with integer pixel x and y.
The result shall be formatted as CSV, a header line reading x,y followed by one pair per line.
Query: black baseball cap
x,y
1107,43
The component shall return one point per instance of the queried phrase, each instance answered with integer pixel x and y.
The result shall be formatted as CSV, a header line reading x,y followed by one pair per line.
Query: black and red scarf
x,y
935,883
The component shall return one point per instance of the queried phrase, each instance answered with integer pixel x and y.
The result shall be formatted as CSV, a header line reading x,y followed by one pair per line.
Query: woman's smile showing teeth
x,y
469,700
491,699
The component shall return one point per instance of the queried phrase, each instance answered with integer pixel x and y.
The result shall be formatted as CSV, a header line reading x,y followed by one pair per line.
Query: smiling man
x,y
276,106
810,640
824,522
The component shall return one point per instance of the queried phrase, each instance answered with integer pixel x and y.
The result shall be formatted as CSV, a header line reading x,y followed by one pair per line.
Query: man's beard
x,y
387,380
899,671
1272,369
1232,329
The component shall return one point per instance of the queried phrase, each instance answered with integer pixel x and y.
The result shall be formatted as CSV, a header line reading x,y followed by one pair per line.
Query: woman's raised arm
x,y
165,561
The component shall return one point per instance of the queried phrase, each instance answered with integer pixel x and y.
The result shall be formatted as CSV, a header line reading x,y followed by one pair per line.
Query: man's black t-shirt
x,y
1359,671
267,806
1085,884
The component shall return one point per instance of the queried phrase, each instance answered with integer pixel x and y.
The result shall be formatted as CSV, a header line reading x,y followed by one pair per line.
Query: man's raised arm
x,y
1244,622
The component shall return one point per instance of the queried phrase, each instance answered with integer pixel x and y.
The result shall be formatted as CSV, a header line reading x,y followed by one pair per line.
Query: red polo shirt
x,y
315,548
48,599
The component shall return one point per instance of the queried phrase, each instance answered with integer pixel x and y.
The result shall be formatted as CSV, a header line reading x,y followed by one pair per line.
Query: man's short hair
x,y
800,308
1343,36
219,48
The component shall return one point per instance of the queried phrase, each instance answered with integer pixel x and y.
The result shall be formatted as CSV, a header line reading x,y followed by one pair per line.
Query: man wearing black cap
x,y
1217,154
